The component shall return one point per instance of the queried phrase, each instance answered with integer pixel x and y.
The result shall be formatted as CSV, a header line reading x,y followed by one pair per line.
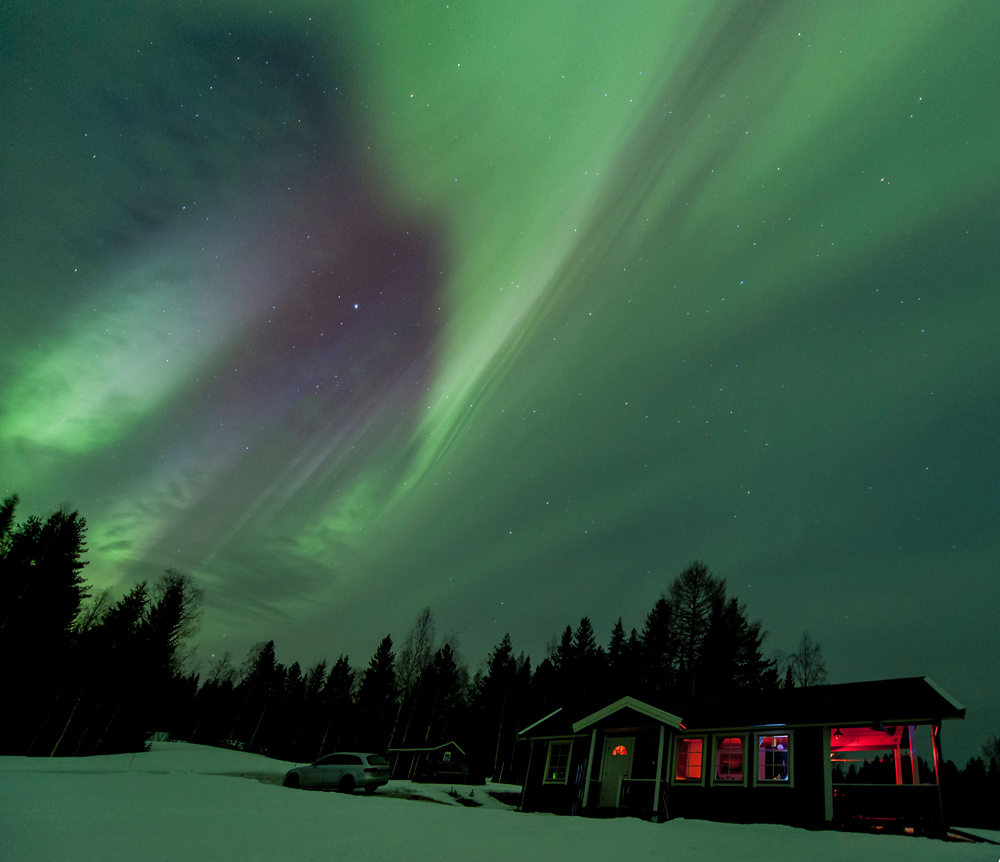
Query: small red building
x,y
776,757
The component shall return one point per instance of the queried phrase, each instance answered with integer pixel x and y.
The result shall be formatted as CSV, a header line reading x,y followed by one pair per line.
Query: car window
x,y
337,760
352,759
377,760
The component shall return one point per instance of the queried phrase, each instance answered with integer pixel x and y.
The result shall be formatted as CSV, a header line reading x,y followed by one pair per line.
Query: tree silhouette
x,y
693,595
377,698
337,705
807,664
41,593
411,665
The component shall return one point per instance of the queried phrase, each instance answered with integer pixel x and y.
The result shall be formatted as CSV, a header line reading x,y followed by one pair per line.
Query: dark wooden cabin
x,y
407,762
776,757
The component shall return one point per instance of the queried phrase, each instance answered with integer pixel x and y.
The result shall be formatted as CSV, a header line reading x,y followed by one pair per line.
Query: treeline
x,y
425,694
83,677
970,796
94,675
87,675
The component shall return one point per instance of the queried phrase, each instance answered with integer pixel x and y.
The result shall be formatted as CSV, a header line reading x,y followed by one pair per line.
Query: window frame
x,y
691,782
553,743
717,739
764,782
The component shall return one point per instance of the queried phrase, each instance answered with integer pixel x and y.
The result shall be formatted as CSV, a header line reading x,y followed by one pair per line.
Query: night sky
x,y
514,310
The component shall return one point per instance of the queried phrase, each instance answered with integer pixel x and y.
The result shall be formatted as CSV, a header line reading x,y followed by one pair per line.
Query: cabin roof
x,y
910,700
451,744
887,702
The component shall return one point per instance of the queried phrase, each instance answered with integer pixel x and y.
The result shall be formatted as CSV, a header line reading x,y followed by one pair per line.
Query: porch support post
x,y
659,771
590,766
914,765
898,755
527,774
936,746
827,776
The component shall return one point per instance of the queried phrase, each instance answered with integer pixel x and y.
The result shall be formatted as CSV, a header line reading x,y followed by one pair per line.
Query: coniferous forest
x,y
88,673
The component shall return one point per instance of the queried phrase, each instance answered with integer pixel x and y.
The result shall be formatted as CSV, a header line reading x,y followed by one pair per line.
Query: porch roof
x,y
910,700
631,709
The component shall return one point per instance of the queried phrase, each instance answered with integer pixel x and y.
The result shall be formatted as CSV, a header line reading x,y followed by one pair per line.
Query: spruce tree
x,y
41,593
377,699
337,705
657,653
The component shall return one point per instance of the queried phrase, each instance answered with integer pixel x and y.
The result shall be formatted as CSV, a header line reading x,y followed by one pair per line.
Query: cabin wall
x,y
799,803
555,798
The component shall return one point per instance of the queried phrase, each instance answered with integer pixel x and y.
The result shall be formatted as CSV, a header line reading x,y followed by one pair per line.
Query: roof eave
x,y
626,702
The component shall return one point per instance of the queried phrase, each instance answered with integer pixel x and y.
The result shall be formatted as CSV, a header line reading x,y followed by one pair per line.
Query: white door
x,y
617,765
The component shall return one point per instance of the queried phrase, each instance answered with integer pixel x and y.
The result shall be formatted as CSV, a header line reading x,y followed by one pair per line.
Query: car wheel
x,y
292,779
371,788
346,784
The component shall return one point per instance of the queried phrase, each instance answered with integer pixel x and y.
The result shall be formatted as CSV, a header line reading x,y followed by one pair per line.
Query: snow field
x,y
193,803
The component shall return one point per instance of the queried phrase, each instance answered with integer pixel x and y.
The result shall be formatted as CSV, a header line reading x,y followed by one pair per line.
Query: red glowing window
x,y
689,753
619,749
729,759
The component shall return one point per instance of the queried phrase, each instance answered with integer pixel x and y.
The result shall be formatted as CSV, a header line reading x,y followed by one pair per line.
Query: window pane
x,y
772,758
729,759
558,764
689,760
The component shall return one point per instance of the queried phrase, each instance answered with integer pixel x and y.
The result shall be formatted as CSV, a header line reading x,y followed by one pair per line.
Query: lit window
x,y
557,764
619,750
689,753
729,759
772,758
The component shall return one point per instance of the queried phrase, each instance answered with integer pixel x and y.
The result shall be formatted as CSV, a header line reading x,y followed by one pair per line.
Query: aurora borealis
x,y
513,310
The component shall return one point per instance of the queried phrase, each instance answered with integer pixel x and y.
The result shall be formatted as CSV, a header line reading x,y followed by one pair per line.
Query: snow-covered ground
x,y
198,804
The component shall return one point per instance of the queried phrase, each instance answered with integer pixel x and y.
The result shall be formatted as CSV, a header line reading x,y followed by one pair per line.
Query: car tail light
x,y
371,769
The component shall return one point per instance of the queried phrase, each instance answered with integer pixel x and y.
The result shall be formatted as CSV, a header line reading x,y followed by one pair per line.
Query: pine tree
x,y
731,658
7,523
440,711
41,593
657,653
584,644
377,699
789,680
263,680
692,596
337,704
496,704
616,647
587,676
562,657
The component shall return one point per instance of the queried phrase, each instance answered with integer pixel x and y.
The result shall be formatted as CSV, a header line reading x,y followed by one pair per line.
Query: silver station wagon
x,y
344,770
